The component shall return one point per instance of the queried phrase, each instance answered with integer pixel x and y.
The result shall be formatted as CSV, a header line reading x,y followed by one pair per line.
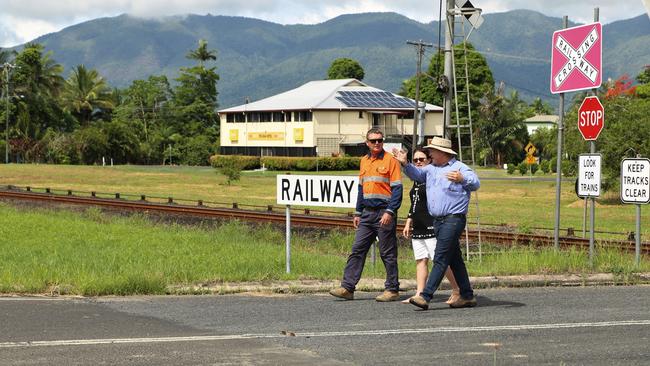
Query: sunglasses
x,y
419,160
376,141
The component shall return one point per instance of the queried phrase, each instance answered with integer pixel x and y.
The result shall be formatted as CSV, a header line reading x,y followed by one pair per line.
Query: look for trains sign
x,y
576,58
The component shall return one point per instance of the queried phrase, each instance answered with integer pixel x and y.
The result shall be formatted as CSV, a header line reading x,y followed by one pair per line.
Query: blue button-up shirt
x,y
444,196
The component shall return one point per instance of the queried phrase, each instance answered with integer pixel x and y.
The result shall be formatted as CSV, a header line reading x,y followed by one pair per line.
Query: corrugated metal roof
x,y
551,118
315,95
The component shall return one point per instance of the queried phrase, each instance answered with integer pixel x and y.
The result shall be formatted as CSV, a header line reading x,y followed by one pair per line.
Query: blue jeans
x,y
448,230
368,230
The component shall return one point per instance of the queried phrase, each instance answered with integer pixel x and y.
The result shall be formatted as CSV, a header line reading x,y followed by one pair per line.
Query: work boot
x,y
420,302
342,293
388,296
463,303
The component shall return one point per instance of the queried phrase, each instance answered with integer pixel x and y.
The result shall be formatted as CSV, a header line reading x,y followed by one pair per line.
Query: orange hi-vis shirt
x,y
380,183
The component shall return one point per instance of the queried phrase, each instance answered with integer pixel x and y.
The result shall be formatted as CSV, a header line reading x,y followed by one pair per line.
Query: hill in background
x,y
258,58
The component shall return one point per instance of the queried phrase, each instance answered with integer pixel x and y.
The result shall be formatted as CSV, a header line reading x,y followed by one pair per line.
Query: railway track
x,y
502,237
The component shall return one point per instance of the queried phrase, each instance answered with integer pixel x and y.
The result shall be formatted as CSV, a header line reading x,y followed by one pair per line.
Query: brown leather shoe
x,y
342,293
420,302
388,296
453,298
463,303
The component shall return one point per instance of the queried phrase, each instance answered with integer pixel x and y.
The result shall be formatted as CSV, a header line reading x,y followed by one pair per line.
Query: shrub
x,y
512,168
289,163
545,167
523,168
569,168
246,162
534,168
231,168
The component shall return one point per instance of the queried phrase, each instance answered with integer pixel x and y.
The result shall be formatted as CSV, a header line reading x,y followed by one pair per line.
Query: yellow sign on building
x,y
266,136
299,134
234,135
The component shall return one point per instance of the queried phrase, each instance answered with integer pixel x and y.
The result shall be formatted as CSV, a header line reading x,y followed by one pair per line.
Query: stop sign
x,y
591,118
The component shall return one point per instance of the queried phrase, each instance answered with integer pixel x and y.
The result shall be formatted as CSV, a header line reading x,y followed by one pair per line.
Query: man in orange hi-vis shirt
x,y
380,196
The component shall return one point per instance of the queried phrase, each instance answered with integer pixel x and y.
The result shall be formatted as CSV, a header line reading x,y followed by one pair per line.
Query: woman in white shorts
x,y
419,227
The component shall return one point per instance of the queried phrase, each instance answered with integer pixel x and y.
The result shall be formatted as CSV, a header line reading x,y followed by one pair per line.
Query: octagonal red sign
x,y
591,118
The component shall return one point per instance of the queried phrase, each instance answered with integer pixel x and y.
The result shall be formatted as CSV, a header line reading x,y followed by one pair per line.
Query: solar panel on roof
x,y
373,99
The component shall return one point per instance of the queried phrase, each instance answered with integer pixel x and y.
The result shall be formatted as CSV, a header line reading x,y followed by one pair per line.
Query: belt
x,y
374,208
458,215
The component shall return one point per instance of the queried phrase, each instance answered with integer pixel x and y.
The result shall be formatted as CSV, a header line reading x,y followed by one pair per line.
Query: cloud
x,y
24,20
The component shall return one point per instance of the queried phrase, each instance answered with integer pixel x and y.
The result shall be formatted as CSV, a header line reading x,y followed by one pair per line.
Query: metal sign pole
x,y
288,240
638,234
558,179
593,200
592,219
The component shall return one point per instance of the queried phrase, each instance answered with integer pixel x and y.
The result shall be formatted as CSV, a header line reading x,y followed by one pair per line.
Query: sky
x,y
24,20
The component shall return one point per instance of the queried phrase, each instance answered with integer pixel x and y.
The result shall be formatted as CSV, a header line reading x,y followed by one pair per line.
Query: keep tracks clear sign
x,y
317,190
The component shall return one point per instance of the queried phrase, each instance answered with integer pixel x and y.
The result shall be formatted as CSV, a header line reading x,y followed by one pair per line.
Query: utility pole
x,y
6,66
417,124
449,43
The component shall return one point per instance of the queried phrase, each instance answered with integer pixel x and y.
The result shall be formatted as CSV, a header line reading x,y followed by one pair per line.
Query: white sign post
x,y
589,186
589,175
635,188
314,190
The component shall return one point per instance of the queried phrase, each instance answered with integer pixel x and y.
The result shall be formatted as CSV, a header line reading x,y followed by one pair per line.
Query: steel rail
x,y
490,236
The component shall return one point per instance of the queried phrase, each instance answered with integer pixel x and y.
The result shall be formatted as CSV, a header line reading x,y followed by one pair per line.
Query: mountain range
x,y
257,58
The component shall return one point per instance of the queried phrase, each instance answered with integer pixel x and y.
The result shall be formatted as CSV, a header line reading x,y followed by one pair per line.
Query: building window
x,y
253,117
266,116
278,117
235,117
360,114
302,116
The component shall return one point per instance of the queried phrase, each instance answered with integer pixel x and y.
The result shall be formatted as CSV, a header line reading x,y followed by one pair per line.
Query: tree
x,y
202,54
345,68
644,76
86,93
622,86
480,78
195,96
501,126
643,90
626,133
36,83
537,106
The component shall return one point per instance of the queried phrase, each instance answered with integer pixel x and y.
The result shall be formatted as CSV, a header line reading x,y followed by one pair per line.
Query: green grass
x,y
90,253
522,203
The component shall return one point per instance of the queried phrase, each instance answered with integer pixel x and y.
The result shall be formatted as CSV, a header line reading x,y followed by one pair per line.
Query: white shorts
x,y
424,248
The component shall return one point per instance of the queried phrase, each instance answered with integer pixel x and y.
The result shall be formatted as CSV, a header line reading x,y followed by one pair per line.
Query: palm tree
x,y
202,54
85,92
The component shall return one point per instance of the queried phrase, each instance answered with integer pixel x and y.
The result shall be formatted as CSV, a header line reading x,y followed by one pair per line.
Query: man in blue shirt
x,y
449,184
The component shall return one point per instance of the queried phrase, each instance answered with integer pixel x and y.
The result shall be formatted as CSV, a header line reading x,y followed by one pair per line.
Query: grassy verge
x,y
90,253
522,203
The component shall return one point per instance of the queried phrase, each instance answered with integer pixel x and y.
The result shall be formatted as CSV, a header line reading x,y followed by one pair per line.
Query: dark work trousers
x,y
366,233
448,230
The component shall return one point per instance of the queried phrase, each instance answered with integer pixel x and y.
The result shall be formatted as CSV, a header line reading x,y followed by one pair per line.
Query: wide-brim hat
x,y
441,144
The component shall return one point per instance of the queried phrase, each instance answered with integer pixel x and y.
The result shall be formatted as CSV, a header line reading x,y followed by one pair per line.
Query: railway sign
x,y
591,118
589,175
576,58
635,181
317,190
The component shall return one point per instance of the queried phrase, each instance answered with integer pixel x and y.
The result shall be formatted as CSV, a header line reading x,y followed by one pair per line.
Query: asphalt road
x,y
539,326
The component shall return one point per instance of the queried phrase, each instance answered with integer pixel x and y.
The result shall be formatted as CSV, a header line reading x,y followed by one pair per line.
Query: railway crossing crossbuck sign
x,y
576,58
